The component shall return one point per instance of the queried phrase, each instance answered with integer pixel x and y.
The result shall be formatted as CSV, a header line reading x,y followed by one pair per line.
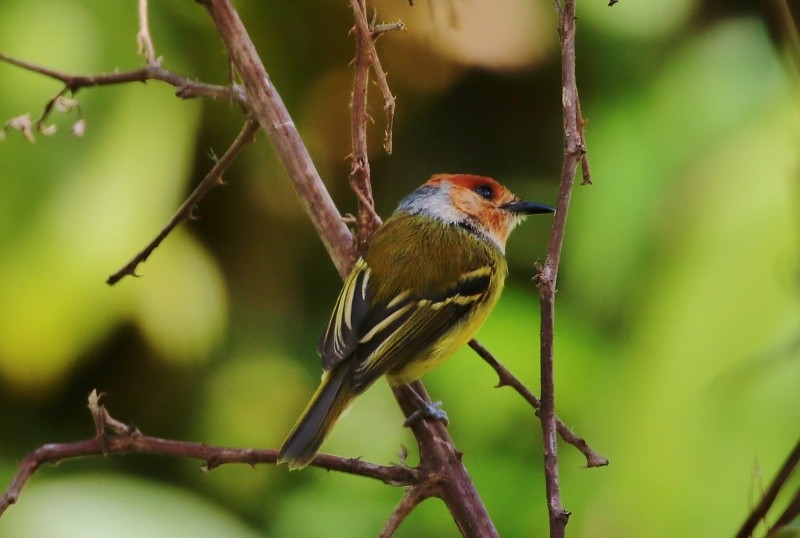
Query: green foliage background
x,y
678,315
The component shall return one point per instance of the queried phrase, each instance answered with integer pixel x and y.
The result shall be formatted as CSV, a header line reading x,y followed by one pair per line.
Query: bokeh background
x,y
678,313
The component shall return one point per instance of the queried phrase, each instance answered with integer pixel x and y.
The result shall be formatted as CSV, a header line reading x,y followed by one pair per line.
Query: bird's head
x,y
478,203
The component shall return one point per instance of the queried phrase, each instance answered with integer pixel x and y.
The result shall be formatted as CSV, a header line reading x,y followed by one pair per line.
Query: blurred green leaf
x,y
119,506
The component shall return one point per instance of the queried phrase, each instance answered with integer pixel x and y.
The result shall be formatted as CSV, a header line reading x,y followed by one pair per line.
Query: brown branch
x,y
389,99
144,41
574,148
790,514
507,379
185,88
413,497
360,180
213,178
587,173
366,36
760,511
440,458
271,113
114,437
366,57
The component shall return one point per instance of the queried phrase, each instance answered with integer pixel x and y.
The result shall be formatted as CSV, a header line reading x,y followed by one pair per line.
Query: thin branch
x,y
125,439
413,497
389,100
760,511
144,42
182,84
574,148
790,514
185,88
366,36
587,173
360,180
507,379
366,57
383,28
271,113
213,178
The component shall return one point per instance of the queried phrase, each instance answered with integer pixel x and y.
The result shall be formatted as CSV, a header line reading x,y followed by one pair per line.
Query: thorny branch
x,y
574,151
507,379
213,178
370,57
360,180
114,437
185,88
366,57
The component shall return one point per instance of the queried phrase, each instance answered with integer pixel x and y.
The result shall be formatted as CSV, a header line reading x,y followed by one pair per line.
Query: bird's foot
x,y
429,411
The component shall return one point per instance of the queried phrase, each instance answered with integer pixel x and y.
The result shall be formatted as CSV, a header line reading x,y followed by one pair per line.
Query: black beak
x,y
527,208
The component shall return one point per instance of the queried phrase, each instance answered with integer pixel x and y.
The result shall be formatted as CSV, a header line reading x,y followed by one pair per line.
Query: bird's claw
x,y
430,411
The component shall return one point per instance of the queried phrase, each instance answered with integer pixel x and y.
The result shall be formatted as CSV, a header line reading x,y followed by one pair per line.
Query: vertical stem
x,y
360,179
547,277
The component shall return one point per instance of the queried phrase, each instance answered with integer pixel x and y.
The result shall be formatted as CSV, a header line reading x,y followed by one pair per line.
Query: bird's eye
x,y
484,191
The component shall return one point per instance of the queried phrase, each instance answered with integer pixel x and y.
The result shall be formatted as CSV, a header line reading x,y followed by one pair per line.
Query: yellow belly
x,y
443,349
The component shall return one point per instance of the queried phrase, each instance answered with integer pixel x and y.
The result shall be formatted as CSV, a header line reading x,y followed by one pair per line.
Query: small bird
x,y
431,275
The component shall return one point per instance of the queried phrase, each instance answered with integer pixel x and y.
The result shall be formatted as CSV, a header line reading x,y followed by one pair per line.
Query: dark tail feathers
x,y
327,404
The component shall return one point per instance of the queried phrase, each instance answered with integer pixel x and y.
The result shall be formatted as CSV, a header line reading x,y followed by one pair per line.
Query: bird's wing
x,y
380,337
415,324
342,333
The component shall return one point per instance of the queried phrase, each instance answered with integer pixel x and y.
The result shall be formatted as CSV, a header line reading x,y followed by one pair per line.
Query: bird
x,y
428,280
